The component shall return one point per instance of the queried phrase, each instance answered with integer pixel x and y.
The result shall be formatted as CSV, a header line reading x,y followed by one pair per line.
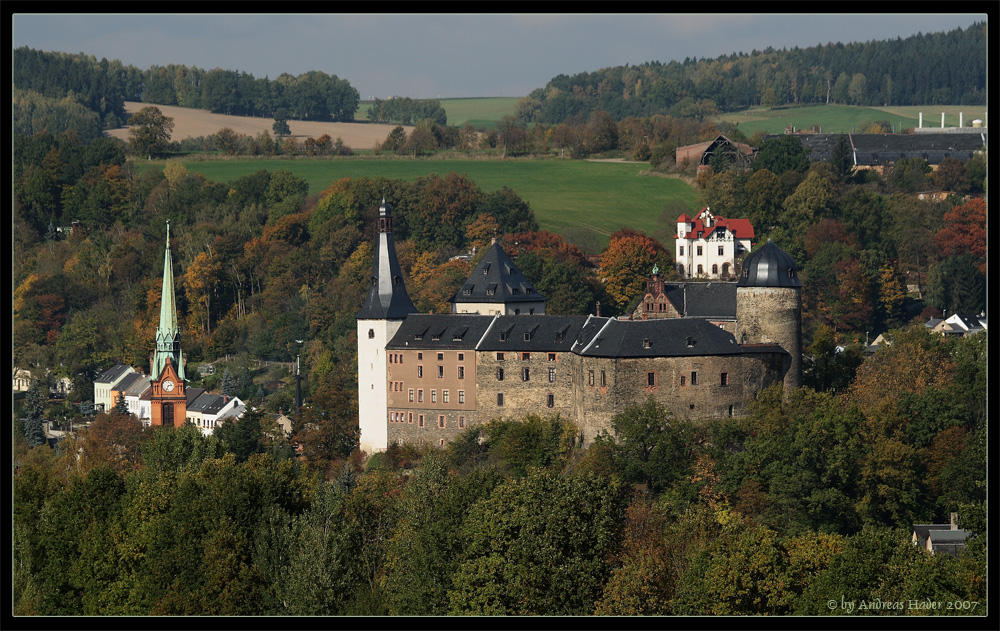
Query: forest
x,y
924,69
811,499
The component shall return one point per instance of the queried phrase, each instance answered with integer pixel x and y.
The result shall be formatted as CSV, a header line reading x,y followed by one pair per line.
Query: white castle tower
x,y
385,308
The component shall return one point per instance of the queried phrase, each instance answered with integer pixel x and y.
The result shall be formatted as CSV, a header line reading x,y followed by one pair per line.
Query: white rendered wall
x,y
373,388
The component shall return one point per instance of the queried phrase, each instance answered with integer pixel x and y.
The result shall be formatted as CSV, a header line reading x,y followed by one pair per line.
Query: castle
x,y
424,378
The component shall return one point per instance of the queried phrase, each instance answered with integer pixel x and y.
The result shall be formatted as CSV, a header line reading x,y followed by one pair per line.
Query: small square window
x,y
420,355
440,357
552,357
525,357
461,357
499,357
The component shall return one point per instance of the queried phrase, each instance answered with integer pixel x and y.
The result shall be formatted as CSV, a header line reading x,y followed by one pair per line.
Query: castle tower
x,y
383,312
168,401
496,286
769,307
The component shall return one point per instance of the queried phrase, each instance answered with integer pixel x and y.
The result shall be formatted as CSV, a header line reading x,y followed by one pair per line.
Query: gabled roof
x,y
496,280
129,380
715,300
667,337
204,400
190,394
876,149
741,228
137,387
539,333
440,331
113,374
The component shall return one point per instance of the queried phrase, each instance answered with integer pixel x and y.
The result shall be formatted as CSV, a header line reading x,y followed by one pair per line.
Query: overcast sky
x,y
440,56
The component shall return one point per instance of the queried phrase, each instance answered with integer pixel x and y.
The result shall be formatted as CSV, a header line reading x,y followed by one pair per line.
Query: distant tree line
x,y
103,87
404,111
932,68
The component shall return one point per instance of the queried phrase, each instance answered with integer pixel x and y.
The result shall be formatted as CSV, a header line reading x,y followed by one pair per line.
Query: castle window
x,y
445,396
724,379
681,253
499,399
434,396
461,422
552,357
550,400
420,355
440,372
527,337
420,396
552,375
420,420
499,357
525,374
440,357
722,250
411,395
645,342
461,396
371,333
590,378
694,378
699,248
461,357
500,374
604,379
461,372
410,418
525,357
441,422
650,378
420,371
683,380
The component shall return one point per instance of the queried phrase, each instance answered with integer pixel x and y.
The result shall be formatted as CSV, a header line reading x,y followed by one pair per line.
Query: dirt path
x,y
191,123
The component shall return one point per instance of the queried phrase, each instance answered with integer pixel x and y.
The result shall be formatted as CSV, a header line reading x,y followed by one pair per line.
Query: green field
x,y
843,118
585,201
481,112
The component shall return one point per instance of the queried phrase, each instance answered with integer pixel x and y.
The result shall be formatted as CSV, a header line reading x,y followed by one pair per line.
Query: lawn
x,y
481,112
585,201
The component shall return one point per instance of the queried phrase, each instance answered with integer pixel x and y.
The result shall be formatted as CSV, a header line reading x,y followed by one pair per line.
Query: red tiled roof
x,y
741,228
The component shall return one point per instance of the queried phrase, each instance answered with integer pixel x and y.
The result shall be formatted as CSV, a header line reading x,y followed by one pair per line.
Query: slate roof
x,y
540,333
715,300
202,402
769,266
387,297
112,374
190,394
440,331
129,381
666,337
877,149
137,387
497,280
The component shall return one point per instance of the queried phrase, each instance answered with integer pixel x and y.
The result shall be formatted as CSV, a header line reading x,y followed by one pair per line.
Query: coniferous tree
x,y
34,410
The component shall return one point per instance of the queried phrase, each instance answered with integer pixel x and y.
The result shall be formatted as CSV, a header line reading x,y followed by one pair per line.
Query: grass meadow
x,y
584,201
843,118
481,112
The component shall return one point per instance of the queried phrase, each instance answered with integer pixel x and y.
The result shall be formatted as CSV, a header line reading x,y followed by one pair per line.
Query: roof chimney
x,y
954,521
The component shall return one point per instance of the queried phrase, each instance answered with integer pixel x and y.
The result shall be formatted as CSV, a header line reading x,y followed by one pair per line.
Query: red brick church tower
x,y
168,401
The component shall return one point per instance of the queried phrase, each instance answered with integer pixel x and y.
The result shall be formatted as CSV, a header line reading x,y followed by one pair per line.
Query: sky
x,y
447,55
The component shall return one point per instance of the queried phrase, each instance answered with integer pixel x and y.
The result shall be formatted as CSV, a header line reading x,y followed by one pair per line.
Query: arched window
x,y
701,270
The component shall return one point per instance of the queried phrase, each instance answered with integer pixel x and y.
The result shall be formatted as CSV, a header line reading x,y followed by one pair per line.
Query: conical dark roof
x,y
387,298
769,266
497,280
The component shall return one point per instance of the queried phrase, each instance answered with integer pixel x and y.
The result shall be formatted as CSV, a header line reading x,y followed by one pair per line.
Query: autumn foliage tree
x,y
627,261
964,231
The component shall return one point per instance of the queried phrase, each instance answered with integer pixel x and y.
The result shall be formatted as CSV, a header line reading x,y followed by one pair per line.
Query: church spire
x,y
387,297
168,342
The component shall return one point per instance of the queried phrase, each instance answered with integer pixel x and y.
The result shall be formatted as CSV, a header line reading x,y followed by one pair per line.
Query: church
x,y
425,378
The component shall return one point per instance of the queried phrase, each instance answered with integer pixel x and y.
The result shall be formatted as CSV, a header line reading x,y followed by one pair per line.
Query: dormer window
x,y
645,342
486,270
527,337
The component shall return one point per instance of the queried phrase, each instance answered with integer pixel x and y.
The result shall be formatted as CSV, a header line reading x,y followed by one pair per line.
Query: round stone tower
x,y
769,307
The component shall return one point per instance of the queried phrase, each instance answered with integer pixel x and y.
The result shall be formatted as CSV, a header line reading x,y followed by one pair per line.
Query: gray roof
x,y
138,387
130,380
190,394
440,331
769,266
876,149
387,297
112,374
705,300
661,337
202,402
497,280
540,333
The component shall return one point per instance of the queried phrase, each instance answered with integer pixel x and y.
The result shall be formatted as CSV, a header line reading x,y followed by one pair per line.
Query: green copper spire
x,y
168,342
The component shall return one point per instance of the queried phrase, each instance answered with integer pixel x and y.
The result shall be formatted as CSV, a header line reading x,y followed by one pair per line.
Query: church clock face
x,y
168,386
